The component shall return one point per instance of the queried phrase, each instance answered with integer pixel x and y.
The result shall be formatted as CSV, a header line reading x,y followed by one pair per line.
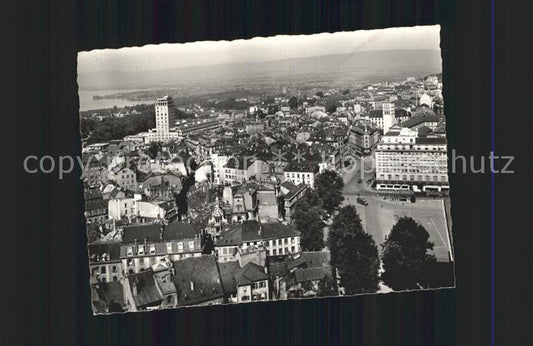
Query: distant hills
x,y
353,68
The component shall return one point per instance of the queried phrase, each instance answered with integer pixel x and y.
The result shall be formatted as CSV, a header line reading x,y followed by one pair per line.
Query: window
x,y
180,246
152,249
130,251
103,269
292,241
140,249
285,241
114,269
169,247
191,245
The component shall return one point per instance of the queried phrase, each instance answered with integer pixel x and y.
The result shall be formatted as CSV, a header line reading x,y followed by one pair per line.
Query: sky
x,y
205,53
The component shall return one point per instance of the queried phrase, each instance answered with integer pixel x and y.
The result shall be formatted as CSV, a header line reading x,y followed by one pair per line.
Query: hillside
x,y
358,67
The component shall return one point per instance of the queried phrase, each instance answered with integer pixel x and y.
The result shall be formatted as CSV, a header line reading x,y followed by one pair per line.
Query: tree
x,y
353,252
331,105
307,219
406,262
293,102
153,150
327,287
328,188
320,94
87,126
207,244
311,199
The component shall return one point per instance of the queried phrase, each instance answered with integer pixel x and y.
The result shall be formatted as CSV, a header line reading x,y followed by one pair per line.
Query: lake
x,y
88,103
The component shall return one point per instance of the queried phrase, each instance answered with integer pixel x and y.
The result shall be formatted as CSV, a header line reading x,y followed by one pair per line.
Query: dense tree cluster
x,y
353,253
115,128
331,105
406,261
328,187
293,102
307,219
327,287
230,103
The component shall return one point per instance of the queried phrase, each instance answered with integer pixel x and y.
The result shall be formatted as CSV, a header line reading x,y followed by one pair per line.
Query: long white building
x,y
407,161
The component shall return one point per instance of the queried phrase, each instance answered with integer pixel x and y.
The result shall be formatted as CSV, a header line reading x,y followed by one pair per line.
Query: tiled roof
x,y
303,166
312,274
250,273
249,231
98,248
419,119
180,230
95,204
147,292
431,140
293,189
227,270
203,273
149,231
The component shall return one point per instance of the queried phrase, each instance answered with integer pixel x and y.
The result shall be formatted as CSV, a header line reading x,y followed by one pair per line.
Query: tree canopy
x,y
406,261
328,188
353,252
116,128
327,287
307,219
293,102
331,105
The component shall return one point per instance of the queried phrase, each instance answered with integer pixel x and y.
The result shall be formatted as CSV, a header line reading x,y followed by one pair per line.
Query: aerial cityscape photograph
x,y
266,169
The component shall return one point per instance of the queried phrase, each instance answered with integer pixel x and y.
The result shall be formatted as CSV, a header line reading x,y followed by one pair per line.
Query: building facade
x,y
406,161
363,139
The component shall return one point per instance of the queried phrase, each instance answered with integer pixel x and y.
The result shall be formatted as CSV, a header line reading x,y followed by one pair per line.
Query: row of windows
x,y
282,251
297,175
103,269
257,285
152,248
443,178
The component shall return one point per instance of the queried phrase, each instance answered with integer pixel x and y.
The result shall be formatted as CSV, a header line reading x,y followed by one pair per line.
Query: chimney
x,y
192,285
135,248
161,231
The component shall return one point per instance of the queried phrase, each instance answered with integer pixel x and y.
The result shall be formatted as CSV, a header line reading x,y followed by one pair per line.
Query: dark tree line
x,y
353,252
115,128
311,209
406,260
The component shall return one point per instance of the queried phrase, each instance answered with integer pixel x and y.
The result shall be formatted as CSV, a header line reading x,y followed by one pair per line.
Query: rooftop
x,y
197,280
252,230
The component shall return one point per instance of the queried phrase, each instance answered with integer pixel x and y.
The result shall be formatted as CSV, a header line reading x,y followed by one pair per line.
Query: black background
x,y
44,290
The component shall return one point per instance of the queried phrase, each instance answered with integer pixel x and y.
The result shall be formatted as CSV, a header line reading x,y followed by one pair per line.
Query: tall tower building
x,y
389,117
163,105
